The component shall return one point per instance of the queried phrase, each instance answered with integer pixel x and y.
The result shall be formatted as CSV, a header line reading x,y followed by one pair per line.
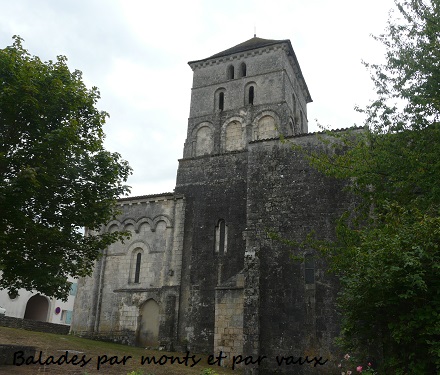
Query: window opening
x,y
243,69
138,268
231,72
251,95
221,235
221,101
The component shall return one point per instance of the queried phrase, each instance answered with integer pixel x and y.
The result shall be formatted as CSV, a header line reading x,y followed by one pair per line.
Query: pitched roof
x,y
250,44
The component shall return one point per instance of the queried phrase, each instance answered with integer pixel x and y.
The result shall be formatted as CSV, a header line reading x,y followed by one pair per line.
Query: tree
x,y
387,251
55,175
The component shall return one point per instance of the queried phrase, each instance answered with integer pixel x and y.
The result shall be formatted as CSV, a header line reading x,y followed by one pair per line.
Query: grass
x,y
56,346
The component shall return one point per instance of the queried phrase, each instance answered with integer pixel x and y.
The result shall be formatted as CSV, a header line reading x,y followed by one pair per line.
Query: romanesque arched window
x,y
137,271
231,72
221,101
251,95
221,237
137,265
266,128
243,69
204,141
233,136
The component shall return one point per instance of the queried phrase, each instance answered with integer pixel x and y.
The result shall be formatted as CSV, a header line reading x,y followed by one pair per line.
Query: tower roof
x,y
252,43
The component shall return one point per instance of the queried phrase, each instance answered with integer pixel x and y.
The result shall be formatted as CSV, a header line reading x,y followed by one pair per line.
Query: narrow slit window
x,y
221,101
221,235
243,69
231,72
138,268
251,95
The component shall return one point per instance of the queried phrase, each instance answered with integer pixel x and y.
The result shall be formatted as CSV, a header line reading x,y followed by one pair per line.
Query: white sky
x,y
136,53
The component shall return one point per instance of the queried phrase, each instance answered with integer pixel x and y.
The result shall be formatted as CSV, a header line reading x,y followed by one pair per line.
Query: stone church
x,y
200,272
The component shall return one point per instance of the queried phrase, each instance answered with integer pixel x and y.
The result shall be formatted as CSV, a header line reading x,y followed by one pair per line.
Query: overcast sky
x,y
136,53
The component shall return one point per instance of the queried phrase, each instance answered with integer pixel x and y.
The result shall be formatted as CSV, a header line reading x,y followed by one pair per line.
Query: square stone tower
x,y
252,91
241,293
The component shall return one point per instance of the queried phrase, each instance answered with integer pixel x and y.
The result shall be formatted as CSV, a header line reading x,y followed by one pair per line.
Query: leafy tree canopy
x,y
55,175
387,251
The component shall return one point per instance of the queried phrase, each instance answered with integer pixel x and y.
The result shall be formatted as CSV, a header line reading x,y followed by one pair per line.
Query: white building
x,y
32,305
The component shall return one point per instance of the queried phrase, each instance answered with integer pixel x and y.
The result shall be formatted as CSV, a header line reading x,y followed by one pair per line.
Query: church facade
x,y
200,272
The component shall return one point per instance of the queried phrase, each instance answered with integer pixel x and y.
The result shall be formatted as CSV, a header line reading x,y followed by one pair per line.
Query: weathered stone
x,y
209,278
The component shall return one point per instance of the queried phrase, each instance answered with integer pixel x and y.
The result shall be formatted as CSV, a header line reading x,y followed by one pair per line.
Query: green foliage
x,y
55,175
138,372
387,251
208,371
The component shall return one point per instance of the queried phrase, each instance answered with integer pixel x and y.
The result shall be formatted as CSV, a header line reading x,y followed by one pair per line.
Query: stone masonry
x,y
200,272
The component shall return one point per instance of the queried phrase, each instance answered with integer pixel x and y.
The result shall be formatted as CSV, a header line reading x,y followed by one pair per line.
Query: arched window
x,y
138,268
251,95
221,101
221,237
309,269
204,141
243,69
230,72
233,136
266,128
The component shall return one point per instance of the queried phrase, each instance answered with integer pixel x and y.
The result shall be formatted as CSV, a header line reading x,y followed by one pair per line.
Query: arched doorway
x,y
148,331
37,308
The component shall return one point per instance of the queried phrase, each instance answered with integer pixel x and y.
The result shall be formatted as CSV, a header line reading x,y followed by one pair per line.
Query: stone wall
x,y
34,325
215,189
228,330
296,316
135,276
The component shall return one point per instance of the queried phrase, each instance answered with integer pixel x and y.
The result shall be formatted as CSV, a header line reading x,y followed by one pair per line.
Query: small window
x,y
221,101
66,316
221,235
251,95
243,69
73,289
230,72
138,268
309,275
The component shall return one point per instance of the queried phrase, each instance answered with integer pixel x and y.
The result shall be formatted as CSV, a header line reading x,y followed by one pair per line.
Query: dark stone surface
x,y
7,353
289,197
34,325
215,188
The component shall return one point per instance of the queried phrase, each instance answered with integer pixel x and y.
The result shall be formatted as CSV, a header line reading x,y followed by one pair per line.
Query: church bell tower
x,y
252,91
246,94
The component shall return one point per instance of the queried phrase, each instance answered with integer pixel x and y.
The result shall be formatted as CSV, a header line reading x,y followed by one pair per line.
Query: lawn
x,y
97,357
